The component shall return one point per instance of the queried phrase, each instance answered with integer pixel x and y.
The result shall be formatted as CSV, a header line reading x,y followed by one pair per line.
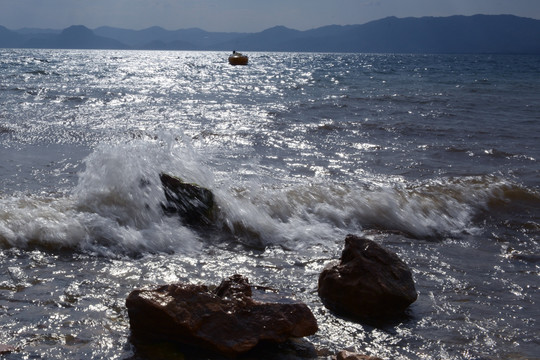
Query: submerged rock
x,y
193,203
369,282
227,320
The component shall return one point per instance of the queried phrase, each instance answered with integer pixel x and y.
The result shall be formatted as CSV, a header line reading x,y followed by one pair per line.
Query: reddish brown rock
x,y
347,355
6,349
369,281
227,320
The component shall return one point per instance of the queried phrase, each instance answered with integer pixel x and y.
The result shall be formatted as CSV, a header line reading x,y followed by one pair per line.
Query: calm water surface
x,y
433,156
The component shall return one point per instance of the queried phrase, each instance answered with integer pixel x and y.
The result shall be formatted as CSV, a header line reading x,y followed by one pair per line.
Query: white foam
x,y
317,213
116,206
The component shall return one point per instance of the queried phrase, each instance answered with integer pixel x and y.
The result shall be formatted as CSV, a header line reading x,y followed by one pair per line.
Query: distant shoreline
x,y
477,34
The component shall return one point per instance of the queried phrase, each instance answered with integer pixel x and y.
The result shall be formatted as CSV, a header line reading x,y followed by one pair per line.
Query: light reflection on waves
x,y
122,93
300,149
86,303
116,206
139,92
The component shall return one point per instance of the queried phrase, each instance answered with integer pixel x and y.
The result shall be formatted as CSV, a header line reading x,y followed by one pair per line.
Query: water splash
x,y
117,206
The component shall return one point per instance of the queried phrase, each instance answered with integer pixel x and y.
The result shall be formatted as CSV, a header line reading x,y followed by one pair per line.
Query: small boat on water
x,y
238,59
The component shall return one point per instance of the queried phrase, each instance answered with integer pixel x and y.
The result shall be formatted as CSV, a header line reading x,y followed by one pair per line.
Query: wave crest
x,y
116,208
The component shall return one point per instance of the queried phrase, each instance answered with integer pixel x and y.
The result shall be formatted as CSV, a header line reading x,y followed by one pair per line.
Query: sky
x,y
240,15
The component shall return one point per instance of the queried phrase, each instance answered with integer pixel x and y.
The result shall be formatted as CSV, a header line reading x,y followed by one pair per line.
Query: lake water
x,y
435,157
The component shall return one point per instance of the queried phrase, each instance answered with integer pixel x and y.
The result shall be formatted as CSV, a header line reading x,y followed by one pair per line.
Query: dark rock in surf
x,y
193,203
226,320
369,282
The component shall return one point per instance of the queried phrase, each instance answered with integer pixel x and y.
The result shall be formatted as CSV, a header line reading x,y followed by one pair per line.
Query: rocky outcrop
x,y
193,203
226,320
369,282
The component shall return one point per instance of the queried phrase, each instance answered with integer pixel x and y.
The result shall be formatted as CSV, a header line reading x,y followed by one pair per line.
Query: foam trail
x,y
304,214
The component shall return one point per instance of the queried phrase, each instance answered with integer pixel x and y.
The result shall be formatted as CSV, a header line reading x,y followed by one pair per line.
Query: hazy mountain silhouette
x,y
9,38
32,31
74,37
186,39
454,34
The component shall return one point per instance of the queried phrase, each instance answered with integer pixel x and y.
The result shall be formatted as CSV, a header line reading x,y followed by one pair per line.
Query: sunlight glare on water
x,y
434,157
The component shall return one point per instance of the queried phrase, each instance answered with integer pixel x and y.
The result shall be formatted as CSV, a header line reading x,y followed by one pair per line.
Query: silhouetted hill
x,y
31,31
454,34
142,38
75,37
9,38
83,38
273,39
186,39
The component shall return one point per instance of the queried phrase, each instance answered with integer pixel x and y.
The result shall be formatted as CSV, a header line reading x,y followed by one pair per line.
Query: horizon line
x,y
254,32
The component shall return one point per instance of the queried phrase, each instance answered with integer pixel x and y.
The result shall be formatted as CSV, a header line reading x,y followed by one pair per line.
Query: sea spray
x,y
117,206
121,184
114,209
33,220
317,213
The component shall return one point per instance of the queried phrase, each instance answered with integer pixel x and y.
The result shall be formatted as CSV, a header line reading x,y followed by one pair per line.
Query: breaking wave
x,y
116,207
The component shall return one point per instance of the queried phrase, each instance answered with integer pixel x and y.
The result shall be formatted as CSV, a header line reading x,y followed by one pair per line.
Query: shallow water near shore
x,y
435,157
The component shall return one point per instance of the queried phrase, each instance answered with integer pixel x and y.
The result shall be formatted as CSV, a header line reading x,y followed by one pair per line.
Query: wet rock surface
x,y
226,320
347,355
369,282
193,203
6,349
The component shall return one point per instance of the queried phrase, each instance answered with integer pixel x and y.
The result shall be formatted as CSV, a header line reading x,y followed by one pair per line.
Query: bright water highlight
x,y
433,156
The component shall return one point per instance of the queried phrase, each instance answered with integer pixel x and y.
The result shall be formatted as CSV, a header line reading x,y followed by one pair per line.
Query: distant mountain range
x,y
455,34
